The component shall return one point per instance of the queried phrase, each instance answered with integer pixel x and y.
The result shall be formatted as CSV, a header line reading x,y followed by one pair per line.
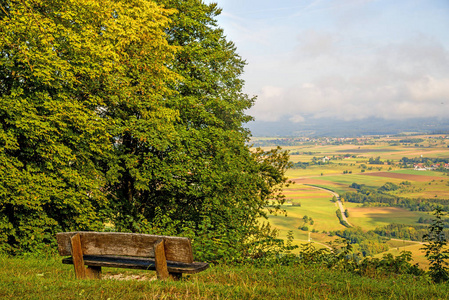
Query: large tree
x,y
202,180
62,65
131,112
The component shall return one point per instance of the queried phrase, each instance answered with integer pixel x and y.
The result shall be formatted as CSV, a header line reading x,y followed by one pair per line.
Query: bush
x,y
435,253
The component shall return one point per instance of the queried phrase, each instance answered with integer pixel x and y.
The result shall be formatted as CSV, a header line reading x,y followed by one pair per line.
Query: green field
x,y
347,180
424,173
316,203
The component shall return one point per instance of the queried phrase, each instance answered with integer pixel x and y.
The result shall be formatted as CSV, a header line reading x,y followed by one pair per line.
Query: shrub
x,y
435,253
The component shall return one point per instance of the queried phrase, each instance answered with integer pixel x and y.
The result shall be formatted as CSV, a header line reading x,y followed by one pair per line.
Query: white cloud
x,y
297,119
346,59
429,89
403,80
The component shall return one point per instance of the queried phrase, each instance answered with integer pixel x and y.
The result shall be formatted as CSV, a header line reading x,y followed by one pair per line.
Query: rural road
x,y
338,203
342,209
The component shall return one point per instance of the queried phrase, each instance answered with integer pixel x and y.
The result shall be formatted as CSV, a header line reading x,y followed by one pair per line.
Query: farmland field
x,y
316,204
422,173
371,217
337,167
406,176
414,248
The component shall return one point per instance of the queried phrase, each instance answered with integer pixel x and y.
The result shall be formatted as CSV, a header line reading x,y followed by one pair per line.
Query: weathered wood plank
x,y
131,244
77,254
160,261
139,263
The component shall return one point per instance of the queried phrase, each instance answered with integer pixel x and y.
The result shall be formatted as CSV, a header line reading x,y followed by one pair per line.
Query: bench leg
x,y
77,255
160,260
81,272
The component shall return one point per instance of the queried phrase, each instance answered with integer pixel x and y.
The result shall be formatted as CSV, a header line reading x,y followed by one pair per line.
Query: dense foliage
x,y
130,114
340,218
61,64
366,243
403,231
423,160
411,141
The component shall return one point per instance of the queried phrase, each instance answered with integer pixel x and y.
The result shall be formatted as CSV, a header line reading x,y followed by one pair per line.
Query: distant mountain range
x,y
339,128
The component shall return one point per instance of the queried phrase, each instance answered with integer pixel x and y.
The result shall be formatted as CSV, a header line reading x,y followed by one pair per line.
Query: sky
x,y
342,59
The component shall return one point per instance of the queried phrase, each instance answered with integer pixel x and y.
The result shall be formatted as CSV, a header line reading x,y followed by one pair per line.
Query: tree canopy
x,y
129,114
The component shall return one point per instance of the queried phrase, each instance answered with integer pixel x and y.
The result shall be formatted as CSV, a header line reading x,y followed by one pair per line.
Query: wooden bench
x,y
170,256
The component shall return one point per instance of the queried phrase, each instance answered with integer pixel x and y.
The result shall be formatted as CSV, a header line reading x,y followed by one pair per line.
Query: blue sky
x,y
350,59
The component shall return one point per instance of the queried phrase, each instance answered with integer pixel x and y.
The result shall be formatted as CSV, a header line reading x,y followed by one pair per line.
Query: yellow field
x,y
315,203
369,218
417,254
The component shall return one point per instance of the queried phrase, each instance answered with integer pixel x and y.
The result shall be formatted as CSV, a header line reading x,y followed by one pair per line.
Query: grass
x,y
369,218
432,189
423,173
315,203
415,248
369,181
32,278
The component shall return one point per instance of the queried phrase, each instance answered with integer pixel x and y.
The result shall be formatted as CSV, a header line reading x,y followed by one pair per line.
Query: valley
x,y
376,166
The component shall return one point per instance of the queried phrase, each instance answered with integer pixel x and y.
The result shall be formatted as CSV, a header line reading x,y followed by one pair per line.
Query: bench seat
x,y
138,263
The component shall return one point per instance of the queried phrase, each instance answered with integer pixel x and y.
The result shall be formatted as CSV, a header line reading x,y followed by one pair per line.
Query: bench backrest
x,y
129,244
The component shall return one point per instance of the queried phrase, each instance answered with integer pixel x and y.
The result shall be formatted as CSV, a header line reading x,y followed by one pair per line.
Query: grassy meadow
x,y
48,278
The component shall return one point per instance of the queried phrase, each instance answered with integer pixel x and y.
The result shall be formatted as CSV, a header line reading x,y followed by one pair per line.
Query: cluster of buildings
x,y
423,167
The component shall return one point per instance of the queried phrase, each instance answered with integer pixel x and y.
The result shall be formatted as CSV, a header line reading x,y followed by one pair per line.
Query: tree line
x,y
379,197
129,116
366,243
423,160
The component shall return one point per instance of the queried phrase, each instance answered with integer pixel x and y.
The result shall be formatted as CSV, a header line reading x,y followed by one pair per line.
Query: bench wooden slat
x,y
139,263
130,244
